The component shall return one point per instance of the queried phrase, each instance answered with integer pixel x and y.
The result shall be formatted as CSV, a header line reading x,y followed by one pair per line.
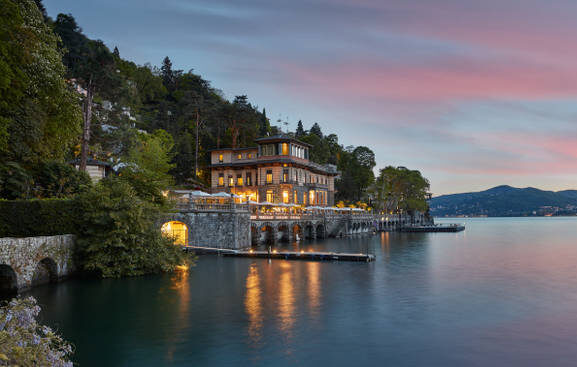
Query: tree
x,y
118,236
402,190
264,125
167,74
148,165
39,114
316,130
300,130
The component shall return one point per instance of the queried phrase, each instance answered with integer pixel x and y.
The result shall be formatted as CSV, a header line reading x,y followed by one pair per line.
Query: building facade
x,y
278,170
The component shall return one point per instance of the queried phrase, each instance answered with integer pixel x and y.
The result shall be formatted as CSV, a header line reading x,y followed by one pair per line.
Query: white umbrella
x,y
198,193
266,203
221,195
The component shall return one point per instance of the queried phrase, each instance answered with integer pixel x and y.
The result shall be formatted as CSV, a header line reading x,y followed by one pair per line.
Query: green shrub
x,y
118,236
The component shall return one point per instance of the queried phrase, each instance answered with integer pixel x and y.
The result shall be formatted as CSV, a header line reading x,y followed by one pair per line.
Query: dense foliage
x,y
118,235
25,342
25,218
39,112
401,190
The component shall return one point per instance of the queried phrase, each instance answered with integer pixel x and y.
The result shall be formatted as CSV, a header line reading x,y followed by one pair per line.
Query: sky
x,y
472,93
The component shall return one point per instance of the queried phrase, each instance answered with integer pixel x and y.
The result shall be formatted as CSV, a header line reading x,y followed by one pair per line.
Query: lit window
x,y
248,179
230,181
249,155
296,198
270,196
220,158
285,197
304,198
239,156
221,179
269,176
285,175
239,181
311,197
285,149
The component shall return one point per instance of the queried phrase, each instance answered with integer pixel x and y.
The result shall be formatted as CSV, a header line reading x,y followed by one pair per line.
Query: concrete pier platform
x,y
435,228
283,255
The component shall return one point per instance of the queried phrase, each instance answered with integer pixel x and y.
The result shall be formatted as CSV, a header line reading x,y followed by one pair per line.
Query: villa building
x,y
277,170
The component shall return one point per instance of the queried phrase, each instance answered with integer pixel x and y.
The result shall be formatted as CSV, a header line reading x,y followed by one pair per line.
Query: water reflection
x,y
179,282
386,243
314,288
286,299
253,305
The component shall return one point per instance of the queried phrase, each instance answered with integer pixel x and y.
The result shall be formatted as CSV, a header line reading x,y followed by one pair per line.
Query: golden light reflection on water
x,y
314,287
180,283
385,242
253,304
286,299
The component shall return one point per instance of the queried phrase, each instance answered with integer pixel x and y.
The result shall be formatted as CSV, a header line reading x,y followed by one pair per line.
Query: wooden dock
x,y
282,255
435,228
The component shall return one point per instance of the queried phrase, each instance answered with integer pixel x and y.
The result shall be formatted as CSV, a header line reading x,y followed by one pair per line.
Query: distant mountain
x,y
506,201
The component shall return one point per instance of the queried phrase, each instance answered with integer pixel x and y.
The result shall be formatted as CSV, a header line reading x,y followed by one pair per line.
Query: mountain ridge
x,y
506,201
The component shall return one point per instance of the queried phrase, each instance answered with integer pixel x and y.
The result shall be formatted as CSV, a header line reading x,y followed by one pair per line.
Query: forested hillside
x,y
68,97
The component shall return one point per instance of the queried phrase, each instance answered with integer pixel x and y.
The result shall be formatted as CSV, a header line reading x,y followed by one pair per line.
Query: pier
x,y
283,255
435,228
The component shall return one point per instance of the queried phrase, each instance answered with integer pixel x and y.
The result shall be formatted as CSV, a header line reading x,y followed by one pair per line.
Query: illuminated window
x,y
220,158
269,176
230,180
248,179
177,231
296,198
285,197
270,196
239,156
221,179
239,181
285,175
285,149
304,198
249,155
311,197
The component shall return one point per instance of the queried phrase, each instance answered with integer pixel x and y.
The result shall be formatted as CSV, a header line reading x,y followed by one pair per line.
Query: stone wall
x,y
29,261
215,229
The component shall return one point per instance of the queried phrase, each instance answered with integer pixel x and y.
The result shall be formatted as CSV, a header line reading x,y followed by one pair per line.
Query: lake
x,y
501,293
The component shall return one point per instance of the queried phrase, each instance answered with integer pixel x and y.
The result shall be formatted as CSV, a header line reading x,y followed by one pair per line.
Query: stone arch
x,y
267,233
8,280
176,230
283,232
254,235
321,231
309,231
46,272
297,231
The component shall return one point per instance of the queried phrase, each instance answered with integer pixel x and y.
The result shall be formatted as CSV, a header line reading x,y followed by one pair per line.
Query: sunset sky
x,y
472,93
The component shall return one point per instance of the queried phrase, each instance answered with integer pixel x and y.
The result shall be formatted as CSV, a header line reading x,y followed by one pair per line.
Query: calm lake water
x,y
502,293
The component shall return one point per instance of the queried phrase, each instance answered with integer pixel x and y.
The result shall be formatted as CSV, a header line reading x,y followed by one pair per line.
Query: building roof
x,y
232,149
325,169
91,162
280,138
